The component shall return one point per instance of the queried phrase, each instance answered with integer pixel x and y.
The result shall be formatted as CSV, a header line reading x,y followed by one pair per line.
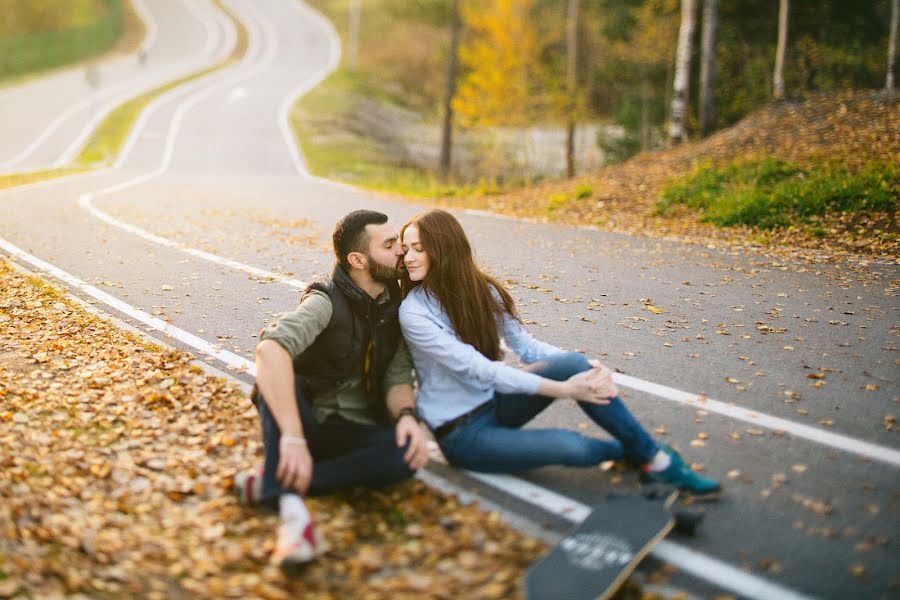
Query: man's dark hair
x,y
350,234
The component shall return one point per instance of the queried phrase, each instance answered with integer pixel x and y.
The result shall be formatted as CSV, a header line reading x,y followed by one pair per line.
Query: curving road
x,y
209,224
62,109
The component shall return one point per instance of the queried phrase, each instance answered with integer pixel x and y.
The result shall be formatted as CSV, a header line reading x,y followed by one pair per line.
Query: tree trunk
x,y
645,109
682,71
778,78
892,48
450,91
708,65
571,82
353,34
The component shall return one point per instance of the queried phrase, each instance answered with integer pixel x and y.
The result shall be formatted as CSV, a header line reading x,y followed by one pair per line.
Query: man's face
x,y
385,254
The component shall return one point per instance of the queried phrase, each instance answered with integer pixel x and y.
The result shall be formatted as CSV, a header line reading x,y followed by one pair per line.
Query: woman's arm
x,y
528,348
425,335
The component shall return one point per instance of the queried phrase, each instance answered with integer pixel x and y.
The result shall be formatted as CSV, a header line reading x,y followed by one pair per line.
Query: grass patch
x,y
15,179
322,123
771,193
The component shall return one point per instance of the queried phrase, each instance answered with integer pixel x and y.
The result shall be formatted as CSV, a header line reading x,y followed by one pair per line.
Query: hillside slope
x,y
849,129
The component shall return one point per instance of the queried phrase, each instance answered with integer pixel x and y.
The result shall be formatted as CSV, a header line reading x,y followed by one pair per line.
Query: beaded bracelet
x,y
293,440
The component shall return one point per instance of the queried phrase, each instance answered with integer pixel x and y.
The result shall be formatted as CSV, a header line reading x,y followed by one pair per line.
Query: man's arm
x,y
401,402
399,397
281,342
275,379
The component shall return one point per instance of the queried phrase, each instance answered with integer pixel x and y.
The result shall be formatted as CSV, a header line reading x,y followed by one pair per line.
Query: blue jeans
x,y
493,441
344,453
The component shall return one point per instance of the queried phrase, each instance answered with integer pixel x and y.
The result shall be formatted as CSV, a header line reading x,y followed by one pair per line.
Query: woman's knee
x,y
562,366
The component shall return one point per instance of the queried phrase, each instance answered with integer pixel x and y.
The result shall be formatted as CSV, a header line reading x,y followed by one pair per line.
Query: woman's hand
x,y
605,378
589,386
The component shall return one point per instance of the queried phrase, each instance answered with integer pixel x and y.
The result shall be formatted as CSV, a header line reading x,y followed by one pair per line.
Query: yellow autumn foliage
x,y
499,59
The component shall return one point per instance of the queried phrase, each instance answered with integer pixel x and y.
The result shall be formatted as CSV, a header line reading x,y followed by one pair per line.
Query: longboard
x,y
595,560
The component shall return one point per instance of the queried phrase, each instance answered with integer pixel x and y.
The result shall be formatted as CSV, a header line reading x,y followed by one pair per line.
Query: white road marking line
x,y
148,112
284,117
149,39
691,561
820,436
213,37
151,29
236,95
85,202
688,560
826,438
698,564
846,443
229,358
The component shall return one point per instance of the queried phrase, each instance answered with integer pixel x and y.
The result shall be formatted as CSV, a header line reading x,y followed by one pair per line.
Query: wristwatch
x,y
407,410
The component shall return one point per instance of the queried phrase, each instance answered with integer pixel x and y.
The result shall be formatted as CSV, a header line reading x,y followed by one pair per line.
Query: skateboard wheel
x,y
687,521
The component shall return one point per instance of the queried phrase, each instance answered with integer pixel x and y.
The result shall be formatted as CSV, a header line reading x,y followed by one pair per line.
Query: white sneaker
x,y
247,487
298,543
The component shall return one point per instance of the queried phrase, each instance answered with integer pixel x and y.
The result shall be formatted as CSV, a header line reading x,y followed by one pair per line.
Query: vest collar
x,y
359,299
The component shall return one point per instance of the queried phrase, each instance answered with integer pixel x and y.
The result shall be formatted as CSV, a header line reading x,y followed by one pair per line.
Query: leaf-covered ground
x,y
115,462
848,128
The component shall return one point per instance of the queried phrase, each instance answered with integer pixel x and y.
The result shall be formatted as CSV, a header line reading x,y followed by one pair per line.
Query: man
x,y
330,378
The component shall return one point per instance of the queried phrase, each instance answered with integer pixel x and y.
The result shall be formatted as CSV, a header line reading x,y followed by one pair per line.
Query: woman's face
x,y
414,256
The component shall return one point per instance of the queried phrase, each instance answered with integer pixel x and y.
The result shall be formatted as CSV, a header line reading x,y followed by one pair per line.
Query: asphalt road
x,y
47,120
811,502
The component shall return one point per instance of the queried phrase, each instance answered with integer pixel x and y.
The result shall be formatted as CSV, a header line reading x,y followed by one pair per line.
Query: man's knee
x,y
395,461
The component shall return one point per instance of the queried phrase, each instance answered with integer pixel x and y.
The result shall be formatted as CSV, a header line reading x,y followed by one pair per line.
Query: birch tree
x,y
778,78
892,48
708,64
682,71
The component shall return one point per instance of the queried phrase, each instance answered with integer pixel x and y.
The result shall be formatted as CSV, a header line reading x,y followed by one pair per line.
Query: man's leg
x,y
297,541
271,488
350,454
344,453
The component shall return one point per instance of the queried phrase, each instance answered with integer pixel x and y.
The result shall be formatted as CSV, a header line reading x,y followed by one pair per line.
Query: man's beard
x,y
383,274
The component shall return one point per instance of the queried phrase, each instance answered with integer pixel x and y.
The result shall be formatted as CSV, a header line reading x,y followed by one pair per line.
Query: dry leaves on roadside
x,y
116,457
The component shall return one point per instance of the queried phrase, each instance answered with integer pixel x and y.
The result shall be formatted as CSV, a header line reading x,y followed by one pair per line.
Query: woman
x,y
453,317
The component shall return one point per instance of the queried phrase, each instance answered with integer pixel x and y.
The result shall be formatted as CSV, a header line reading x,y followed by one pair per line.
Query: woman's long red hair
x,y
467,293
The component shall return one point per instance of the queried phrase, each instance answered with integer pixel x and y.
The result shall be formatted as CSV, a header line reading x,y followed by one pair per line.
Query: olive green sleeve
x,y
400,369
295,331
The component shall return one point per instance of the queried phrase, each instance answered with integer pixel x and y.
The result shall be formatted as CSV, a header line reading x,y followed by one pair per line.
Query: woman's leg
x,y
614,417
486,445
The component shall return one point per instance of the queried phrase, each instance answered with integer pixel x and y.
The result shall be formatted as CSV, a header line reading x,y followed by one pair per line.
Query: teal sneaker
x,y
679,475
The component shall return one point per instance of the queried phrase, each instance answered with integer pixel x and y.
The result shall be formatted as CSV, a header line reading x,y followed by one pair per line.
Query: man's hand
x,y
294,467
409,430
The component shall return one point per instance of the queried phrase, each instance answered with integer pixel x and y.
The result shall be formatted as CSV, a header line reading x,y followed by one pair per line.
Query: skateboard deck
x,y
594,560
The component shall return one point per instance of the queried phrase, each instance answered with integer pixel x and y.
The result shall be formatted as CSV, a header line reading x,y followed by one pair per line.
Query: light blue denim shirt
x,y
453,376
